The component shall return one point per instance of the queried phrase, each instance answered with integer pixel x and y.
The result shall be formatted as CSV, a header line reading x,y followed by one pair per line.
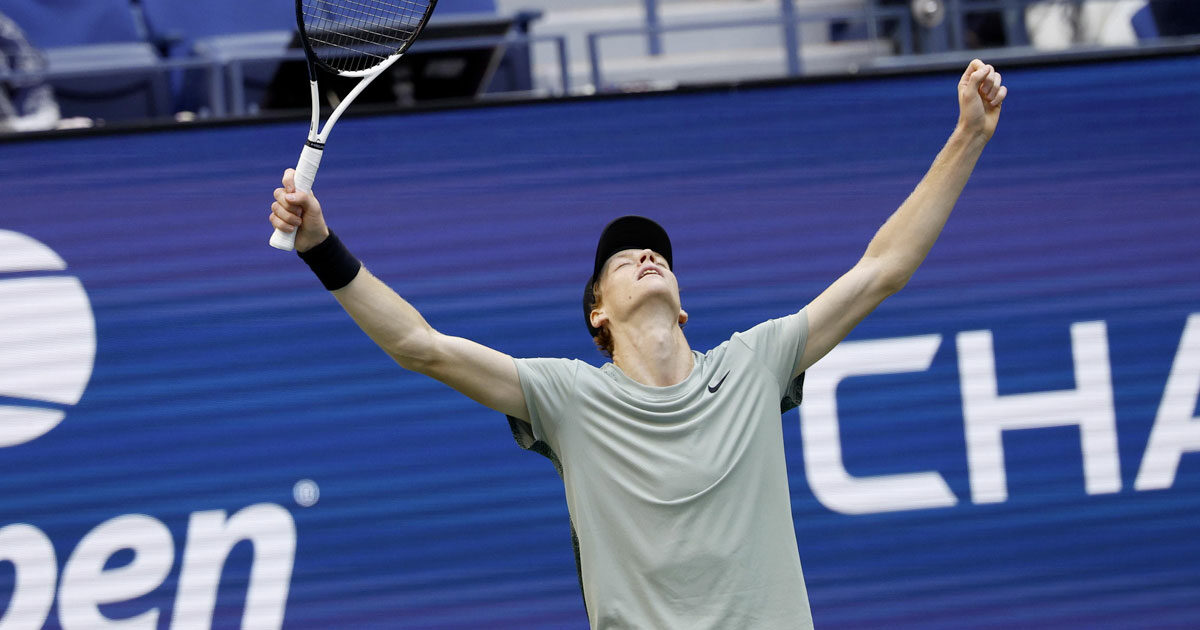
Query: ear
x,y
683,317
598,318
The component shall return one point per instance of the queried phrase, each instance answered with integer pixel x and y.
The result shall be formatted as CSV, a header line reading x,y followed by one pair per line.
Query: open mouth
x,y
648,271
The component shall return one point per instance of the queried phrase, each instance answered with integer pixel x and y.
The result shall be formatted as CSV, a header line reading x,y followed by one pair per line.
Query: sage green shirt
x,y
679,495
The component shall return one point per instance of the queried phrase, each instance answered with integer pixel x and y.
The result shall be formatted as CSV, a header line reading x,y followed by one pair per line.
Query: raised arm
x,y
485,375
900,246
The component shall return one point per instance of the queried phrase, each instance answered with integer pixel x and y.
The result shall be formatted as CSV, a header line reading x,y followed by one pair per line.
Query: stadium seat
x,y
98,60
465,6
250,61
120,81
237,32
1144,25
216,29
181,24
54,23
247,38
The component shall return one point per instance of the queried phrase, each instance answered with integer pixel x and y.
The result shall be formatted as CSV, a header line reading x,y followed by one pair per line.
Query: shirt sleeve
x,y
549,388
779,345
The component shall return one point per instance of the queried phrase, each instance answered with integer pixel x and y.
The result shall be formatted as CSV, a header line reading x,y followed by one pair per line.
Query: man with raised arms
x,y
672,459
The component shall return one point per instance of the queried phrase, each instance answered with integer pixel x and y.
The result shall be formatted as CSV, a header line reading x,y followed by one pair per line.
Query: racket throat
x,y
314,95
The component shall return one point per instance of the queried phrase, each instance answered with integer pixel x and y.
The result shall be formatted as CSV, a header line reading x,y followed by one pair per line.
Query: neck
x,y
653,354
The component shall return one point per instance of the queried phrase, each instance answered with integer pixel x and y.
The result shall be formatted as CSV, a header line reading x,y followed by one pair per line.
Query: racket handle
x,y
306,172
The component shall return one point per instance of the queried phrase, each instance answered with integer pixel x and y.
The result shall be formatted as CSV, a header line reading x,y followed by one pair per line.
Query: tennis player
x,y
672,459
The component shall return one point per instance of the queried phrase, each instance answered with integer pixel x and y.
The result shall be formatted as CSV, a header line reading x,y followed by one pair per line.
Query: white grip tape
x,y
306,172
306,168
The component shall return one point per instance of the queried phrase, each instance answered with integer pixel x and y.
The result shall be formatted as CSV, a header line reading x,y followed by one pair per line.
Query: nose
x,y
646,255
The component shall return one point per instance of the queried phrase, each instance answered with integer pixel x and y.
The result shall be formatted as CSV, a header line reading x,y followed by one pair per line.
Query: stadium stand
x,y
458,56
702,40
98,59
26,104
135,60
668,42
217,30
254,46
129,60
56,23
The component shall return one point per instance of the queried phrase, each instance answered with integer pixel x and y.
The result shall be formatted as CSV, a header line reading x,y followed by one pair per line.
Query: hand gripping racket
x,y
350,38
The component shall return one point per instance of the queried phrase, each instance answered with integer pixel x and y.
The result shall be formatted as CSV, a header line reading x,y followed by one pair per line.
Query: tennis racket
x,y
350,38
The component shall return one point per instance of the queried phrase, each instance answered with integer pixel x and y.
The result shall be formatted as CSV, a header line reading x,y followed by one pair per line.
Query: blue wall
x,y
223,375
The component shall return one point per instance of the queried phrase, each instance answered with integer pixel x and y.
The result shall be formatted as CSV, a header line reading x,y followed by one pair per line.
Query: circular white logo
x,y
47,339
306,492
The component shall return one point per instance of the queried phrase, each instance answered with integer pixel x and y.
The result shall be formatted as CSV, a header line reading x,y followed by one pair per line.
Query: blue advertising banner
x,y
193,434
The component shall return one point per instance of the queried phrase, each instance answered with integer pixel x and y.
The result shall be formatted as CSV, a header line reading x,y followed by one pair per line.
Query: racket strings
x,y
378,13
354,35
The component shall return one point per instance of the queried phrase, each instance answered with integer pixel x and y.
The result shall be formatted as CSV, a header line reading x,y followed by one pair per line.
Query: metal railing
x,y
947,34
162,67
1011,11
233,66
788,20
225,76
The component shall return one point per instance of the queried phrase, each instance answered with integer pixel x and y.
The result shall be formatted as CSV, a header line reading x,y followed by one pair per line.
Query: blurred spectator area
x,y
1044,24
627,44
133,60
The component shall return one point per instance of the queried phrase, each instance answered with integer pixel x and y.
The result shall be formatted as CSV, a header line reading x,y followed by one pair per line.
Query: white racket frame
x,y
310,156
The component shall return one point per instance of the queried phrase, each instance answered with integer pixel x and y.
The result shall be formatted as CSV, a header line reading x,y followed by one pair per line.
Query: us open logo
x,y
47,339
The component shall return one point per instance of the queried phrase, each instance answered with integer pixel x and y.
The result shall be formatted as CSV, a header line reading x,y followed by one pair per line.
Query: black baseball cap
x,y
628,232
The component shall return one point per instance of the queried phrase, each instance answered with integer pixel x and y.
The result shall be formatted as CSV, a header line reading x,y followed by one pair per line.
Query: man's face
x,y
637,278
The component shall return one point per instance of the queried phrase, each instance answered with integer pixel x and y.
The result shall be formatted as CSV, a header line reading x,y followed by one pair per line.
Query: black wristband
x,y
334,265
